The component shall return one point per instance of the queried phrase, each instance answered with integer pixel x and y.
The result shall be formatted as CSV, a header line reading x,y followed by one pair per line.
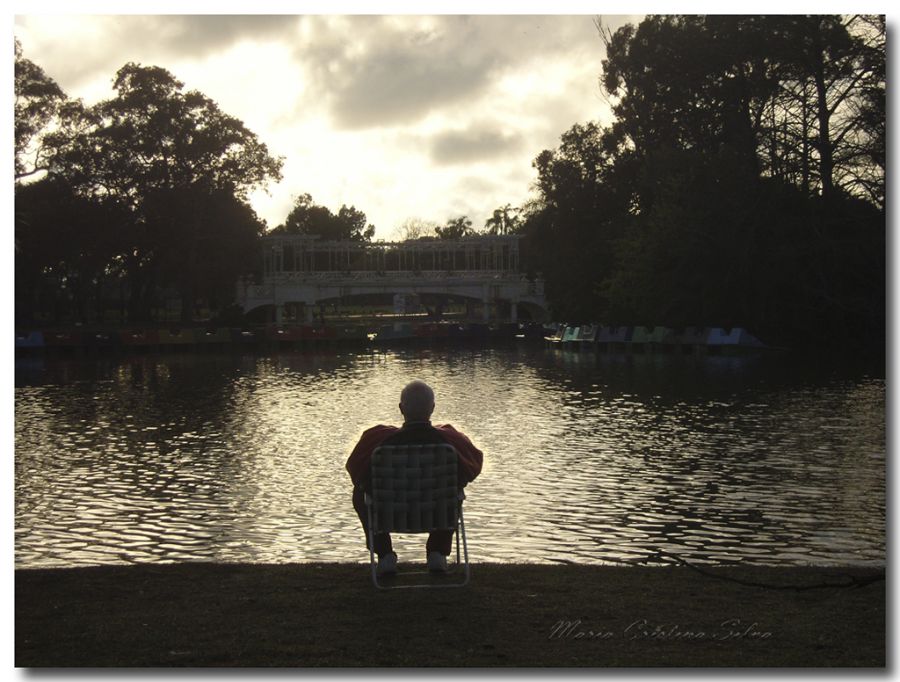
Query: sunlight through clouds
x,y
400,116
251,72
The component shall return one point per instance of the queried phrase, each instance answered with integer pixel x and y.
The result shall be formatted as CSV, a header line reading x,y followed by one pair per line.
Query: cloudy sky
x,y
403,116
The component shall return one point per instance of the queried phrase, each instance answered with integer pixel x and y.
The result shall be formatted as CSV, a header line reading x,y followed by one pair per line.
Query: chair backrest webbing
x,y
414,488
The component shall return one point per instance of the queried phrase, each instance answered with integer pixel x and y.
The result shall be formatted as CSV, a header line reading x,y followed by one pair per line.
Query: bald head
x,y
417,401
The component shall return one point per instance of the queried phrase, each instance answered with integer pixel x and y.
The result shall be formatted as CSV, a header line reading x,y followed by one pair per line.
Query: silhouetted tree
x,y
352,222
415,228
150,144
307,217
69,250
40,105
793,97
584,208
455,228
504,220
703,202
152,135
218,237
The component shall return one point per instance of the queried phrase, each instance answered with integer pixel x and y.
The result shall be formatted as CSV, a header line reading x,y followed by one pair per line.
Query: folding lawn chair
x,y
414,490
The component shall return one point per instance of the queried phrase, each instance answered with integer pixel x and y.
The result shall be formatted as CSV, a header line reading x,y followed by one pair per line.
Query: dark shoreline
x,y
519,615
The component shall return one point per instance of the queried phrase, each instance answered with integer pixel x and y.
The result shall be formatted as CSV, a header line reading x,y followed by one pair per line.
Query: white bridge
x,y
300,272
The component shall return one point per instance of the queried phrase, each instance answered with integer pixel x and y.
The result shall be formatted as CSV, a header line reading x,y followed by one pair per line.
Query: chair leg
x,y
460,532
371,539
461,527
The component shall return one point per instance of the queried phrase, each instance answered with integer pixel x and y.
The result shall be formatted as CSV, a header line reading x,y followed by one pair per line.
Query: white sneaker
x,y
387,564
437,562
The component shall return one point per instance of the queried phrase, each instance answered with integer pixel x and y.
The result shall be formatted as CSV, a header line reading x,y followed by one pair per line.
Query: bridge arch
x,y
300,269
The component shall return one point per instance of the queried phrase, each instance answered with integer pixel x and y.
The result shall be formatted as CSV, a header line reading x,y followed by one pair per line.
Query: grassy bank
x,y
509,615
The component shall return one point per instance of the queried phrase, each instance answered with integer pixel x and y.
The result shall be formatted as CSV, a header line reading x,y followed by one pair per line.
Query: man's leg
x,y
382,541
439,541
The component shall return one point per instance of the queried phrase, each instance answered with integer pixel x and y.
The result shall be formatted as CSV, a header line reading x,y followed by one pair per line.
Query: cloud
x,y
377,71
196,35
396,86
383,112
391,71
473,144
106,43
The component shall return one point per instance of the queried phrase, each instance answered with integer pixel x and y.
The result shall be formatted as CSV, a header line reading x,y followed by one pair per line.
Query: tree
x,y
702,203
352,224
40,105
866,148
504,220
585,202
307,217
415,228
69,248
154,140
660,77
845,58
152,135
455,228
217,234
792,97
691,83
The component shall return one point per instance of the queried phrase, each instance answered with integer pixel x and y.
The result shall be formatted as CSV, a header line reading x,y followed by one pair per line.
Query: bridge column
x,y
279,313
308,313
513,311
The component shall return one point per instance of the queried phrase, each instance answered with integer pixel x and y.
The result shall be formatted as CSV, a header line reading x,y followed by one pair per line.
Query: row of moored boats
x,y
658,339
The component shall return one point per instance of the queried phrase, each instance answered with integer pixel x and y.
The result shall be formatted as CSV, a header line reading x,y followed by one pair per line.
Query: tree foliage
x,y
741,182
415,228
43,114
164,173
455,228
799,98
152,136
217,235
307,217
504,220
68,247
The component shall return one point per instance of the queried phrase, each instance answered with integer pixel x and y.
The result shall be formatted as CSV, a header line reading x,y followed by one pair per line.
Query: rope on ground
x,y
852,581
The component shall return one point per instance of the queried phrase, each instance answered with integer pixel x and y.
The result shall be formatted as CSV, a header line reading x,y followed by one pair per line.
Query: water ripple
x,y
595,459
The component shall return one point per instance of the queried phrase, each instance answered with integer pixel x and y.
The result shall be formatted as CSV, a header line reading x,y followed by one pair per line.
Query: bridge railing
x,y
376,276
361,278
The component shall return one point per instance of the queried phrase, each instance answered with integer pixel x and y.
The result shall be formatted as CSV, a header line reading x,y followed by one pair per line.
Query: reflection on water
x,y
589,458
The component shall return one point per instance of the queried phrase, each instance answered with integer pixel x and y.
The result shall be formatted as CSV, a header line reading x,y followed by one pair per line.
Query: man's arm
x,y
471,458
359,460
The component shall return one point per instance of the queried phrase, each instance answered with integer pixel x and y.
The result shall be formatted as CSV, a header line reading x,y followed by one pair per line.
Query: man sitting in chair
x,y
416,405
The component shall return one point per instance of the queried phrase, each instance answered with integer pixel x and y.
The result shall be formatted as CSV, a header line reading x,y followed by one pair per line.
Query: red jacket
x,y
470,457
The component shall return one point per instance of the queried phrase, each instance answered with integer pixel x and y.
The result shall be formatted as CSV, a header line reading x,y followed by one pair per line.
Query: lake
x,y
589,457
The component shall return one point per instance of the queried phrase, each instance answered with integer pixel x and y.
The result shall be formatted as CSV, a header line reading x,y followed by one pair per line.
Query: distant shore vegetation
x,y
740,182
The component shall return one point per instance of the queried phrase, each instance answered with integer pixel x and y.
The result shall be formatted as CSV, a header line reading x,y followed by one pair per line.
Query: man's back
x,y
470,457
417,433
